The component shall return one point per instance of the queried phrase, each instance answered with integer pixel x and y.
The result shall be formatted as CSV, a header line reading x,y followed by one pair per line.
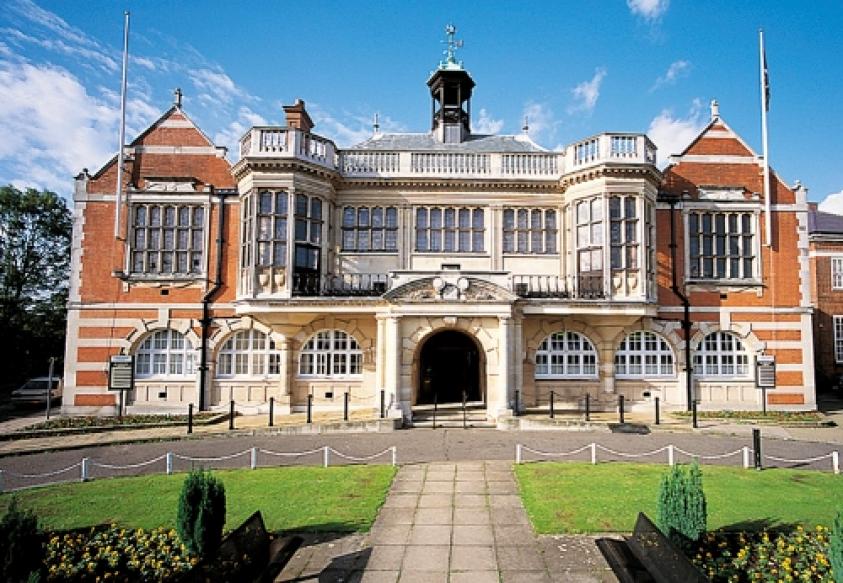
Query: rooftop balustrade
x,y
275,142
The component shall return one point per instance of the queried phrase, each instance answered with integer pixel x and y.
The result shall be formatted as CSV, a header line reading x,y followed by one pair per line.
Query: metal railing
x,y
342,285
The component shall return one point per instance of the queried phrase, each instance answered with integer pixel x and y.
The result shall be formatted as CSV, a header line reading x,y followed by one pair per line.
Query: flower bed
x,y
116,554
795,555
94,421
797,417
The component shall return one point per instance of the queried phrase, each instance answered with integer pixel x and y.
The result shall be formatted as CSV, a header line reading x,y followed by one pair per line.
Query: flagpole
x,y
119,190
765,105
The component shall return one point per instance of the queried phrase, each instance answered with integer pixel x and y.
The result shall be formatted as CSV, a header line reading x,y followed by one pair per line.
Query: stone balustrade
x,y
275,142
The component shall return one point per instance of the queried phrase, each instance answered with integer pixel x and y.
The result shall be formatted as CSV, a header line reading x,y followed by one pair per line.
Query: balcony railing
x,y
342,285
589,287
275,142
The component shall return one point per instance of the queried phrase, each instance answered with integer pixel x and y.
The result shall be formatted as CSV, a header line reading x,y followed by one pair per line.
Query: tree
x,y
35,233
201,513
835,548
682,506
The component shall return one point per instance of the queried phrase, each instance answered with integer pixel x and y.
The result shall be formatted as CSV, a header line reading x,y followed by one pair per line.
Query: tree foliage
x,y
21,542
682,506
201,513
35,233
835,548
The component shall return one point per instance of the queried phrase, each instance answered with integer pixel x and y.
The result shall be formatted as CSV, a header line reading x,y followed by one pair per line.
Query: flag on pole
x,y
766,75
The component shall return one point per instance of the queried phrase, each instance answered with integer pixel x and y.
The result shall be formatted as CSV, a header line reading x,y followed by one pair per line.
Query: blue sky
x,y
574,69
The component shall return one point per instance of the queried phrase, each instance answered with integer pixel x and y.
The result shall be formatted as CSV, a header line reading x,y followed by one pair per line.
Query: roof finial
x,y
177,94
376,126
450,53
715,109
526,128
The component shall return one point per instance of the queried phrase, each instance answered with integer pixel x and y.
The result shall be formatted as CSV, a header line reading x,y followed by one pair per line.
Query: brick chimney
x,y
297,116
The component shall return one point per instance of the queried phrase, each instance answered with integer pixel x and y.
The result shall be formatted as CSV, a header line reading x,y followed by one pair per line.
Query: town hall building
x,y
436,266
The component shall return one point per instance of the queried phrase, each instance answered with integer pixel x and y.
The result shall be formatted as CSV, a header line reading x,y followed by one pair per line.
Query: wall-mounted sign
x,y
121,373
765,372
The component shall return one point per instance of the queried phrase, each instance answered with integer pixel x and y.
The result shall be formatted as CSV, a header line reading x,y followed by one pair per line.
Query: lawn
x,y
337,499
584,498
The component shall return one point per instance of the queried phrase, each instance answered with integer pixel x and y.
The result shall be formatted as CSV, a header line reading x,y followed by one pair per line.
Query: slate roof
x,y
820,222
427,142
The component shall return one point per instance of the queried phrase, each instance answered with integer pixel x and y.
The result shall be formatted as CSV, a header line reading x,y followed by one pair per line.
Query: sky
x,y
573,69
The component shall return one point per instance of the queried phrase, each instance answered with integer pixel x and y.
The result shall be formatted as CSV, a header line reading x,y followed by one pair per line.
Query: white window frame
x,y
838,339
837,273
331,354
530,231
644,354
742,277
165,353
271,228
154,242
434,233
624,239
248,354
714,360
360,234
566,355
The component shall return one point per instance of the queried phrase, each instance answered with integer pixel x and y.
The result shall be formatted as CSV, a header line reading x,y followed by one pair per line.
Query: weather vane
x,y
453,45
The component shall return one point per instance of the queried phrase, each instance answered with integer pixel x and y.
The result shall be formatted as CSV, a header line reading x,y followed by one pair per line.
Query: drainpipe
x,y
208,297
686,304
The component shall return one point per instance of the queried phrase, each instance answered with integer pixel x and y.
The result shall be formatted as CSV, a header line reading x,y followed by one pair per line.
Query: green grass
x,y
338,499
582,498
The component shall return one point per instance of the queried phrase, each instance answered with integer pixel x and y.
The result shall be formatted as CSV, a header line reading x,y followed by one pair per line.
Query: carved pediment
x,y
449,289
155,184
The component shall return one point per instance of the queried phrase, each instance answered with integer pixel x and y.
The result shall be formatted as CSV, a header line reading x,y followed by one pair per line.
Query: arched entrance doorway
x,y
449,364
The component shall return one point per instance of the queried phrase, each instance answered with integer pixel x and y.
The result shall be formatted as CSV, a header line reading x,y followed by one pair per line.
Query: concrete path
x,y
451,522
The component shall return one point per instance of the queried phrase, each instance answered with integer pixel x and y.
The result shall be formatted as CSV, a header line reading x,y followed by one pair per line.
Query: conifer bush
x,y
201,513
21,540
682,506
835,548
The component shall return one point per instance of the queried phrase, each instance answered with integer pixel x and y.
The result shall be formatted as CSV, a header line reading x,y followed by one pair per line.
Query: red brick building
x,y
424,266
826,240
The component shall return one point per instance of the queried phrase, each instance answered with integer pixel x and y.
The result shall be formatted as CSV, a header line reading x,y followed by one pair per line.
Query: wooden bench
x,y
648,556
247,553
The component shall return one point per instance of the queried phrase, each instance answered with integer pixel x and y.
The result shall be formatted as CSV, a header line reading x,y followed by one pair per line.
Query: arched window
x,y
165,353
644,354
330,353
721,354
248,353
566,355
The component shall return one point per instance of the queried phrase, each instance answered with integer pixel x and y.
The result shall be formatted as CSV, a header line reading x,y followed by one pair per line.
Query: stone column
x,y
393,348
504,398
284,403
518,355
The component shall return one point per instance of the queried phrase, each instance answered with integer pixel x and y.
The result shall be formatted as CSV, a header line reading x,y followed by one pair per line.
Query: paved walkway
x,y
451,522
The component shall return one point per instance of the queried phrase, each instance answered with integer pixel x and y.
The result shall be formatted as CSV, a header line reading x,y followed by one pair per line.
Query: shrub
x,y
201,513
835,548
20,544
682,506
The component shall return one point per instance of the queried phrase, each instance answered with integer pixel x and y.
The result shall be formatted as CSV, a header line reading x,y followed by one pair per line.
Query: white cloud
x,y
231,134
675,71
85,53
53,127
349,129
485,124
673,134
650,10
541,121
587,93
218,86
833,203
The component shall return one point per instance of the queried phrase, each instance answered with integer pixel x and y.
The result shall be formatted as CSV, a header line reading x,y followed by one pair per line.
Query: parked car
x,y
34,391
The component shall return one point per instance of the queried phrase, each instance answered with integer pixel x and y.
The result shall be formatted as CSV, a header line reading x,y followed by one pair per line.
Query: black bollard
x,y
310,408
756,448
552,412
657,411
464,425
345,406
588,407
620,409
694,414
517,403
383,403
190,418
231,416
435,408
271,411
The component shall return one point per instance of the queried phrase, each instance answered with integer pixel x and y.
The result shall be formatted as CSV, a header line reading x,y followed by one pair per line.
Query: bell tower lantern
x,y
450,91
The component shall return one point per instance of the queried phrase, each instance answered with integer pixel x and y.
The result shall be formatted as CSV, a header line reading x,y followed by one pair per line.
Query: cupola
x,y
450,90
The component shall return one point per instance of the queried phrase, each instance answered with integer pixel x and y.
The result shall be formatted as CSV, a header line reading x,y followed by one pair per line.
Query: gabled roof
x,y
428,142
174,113
717,124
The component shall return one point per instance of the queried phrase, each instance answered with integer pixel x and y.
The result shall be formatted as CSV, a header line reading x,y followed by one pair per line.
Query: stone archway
x,y
449,364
